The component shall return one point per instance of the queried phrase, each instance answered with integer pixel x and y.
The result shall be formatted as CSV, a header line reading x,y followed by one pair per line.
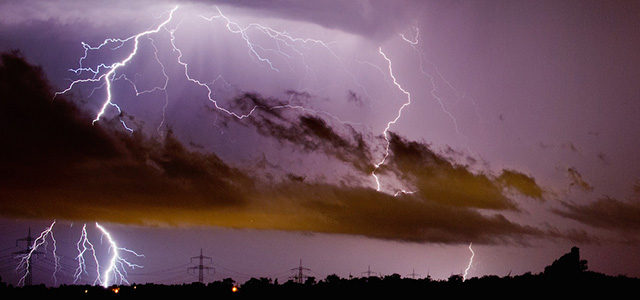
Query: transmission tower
x,y
201,267
368,272
413,274
299,278
28,279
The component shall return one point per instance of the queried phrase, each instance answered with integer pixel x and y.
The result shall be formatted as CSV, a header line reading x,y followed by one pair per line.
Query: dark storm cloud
x,y
361,211
434,176
310,132
439,179
66,168
607,213
56,160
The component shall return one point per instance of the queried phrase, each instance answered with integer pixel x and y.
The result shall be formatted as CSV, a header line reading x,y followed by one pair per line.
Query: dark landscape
x,y
568,276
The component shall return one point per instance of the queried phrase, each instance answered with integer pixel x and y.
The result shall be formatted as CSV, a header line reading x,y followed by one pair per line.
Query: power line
x,y
28,254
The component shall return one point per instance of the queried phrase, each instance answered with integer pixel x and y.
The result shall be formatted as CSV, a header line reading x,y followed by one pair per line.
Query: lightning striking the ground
x,y
32,250
84,246
116,267
466,271
87,252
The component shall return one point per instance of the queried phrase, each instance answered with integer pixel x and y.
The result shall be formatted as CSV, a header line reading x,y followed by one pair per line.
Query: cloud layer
x,y
65,167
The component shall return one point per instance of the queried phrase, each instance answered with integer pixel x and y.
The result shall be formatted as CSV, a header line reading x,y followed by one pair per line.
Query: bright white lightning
x,y
243,32
205,85
286,45
117,263
386,130
109,76
83,246
280,37
33,249
414,42
466,271
106,73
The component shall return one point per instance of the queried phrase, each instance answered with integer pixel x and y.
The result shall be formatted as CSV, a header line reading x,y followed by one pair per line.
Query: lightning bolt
x,y
390,123
106,73
41,240
117,262
109,76
236,28
286,46
283,39
116,267
83,246
434,86
414,43
466,271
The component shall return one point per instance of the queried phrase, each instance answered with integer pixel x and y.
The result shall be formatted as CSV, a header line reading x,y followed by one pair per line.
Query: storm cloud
x,y
69,168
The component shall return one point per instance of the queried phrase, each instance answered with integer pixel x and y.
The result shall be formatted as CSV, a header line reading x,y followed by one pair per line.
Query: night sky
x,y
391,136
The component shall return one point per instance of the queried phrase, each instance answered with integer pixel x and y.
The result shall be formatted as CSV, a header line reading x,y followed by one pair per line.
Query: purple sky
x,y
269,132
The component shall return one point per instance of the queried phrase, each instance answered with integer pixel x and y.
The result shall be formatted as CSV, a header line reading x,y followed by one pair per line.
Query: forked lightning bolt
x,y
117,264
106,74
109,76
286,46
84,246
40,241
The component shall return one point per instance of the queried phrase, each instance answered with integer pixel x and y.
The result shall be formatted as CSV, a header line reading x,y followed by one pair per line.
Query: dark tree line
x,y
567,276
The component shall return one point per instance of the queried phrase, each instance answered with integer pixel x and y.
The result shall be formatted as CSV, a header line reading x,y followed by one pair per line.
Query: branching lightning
x,y
286,47
109,76
434,86
414,42
113,273
83,246
280,37
40,241
117,262
106,73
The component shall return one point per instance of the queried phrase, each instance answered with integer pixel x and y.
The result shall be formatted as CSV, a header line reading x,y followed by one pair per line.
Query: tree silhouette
x,y
567,266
